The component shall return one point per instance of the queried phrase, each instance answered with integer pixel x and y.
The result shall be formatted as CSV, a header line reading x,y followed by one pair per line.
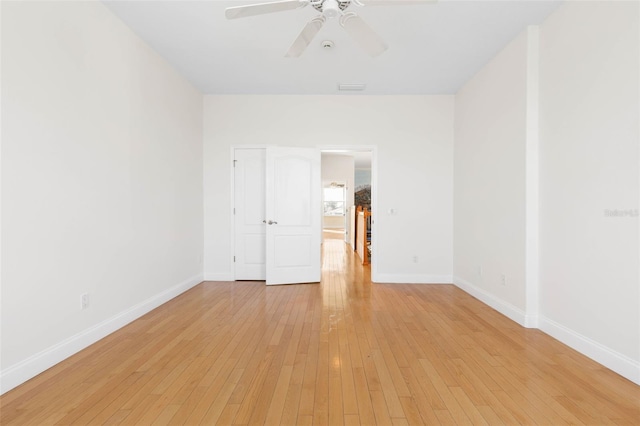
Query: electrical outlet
x,y
415,259
85,301
503,280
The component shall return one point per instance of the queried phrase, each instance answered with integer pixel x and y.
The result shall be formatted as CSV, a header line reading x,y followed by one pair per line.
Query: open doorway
x,y
334,210
347,199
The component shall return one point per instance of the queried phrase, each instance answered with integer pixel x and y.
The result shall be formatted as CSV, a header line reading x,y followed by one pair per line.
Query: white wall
x,y
547,141
101,181
339,168
589,152
490,179
414,140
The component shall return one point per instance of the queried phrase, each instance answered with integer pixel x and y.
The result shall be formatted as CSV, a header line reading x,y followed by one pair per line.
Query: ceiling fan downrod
x,y
331,8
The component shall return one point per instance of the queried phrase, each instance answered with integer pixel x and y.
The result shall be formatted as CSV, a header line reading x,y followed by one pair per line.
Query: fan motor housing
x,y
342,4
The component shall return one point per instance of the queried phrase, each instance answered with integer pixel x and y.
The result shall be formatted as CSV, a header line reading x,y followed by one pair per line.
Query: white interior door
x,y
293,214
249,193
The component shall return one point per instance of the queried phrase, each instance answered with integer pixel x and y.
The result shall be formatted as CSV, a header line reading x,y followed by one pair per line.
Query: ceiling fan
x,y
368,39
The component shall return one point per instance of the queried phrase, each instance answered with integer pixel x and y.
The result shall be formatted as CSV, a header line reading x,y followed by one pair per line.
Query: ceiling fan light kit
x,y
366,37
327,44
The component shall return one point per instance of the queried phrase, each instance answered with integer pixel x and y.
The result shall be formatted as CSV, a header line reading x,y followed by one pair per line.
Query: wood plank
x,y
165,416
345,351
274,415
294,391
351,420
228,414
219,404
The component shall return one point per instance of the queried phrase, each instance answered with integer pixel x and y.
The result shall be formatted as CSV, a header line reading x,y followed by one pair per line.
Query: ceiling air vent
x,y
351,87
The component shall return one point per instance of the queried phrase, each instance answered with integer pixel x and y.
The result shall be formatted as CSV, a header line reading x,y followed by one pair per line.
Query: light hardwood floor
x,y
341,352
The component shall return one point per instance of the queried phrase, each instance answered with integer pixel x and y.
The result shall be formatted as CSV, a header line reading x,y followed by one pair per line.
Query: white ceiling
x,y
433,48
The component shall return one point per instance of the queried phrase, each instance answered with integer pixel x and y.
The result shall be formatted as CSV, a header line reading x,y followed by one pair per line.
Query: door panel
x,y
292,251
292,197
250,238
293,208
254,251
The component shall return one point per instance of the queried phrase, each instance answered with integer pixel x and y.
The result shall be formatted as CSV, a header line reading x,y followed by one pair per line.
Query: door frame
x,y
323,148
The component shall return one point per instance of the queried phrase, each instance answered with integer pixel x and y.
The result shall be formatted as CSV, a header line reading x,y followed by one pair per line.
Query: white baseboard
x,y
412,279
611,359
505,308
222,276
24,370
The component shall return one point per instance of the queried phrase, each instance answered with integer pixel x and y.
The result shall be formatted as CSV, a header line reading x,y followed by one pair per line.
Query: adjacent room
x,y
320,212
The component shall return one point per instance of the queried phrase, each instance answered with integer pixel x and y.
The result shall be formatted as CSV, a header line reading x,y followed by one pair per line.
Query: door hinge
x,y
234,162
234,259
234,210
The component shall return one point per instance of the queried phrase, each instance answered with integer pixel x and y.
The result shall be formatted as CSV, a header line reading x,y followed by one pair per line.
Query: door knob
x,y
272,222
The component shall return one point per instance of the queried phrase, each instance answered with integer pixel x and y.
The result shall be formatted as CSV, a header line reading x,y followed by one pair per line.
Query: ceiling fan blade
x,y
368,39
306,36
263,8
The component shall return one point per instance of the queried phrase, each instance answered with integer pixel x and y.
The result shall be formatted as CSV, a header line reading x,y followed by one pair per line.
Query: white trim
x,y
232,213
638,121
412,279
26,369
1,222
505,308
609,358
375,231
220,276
